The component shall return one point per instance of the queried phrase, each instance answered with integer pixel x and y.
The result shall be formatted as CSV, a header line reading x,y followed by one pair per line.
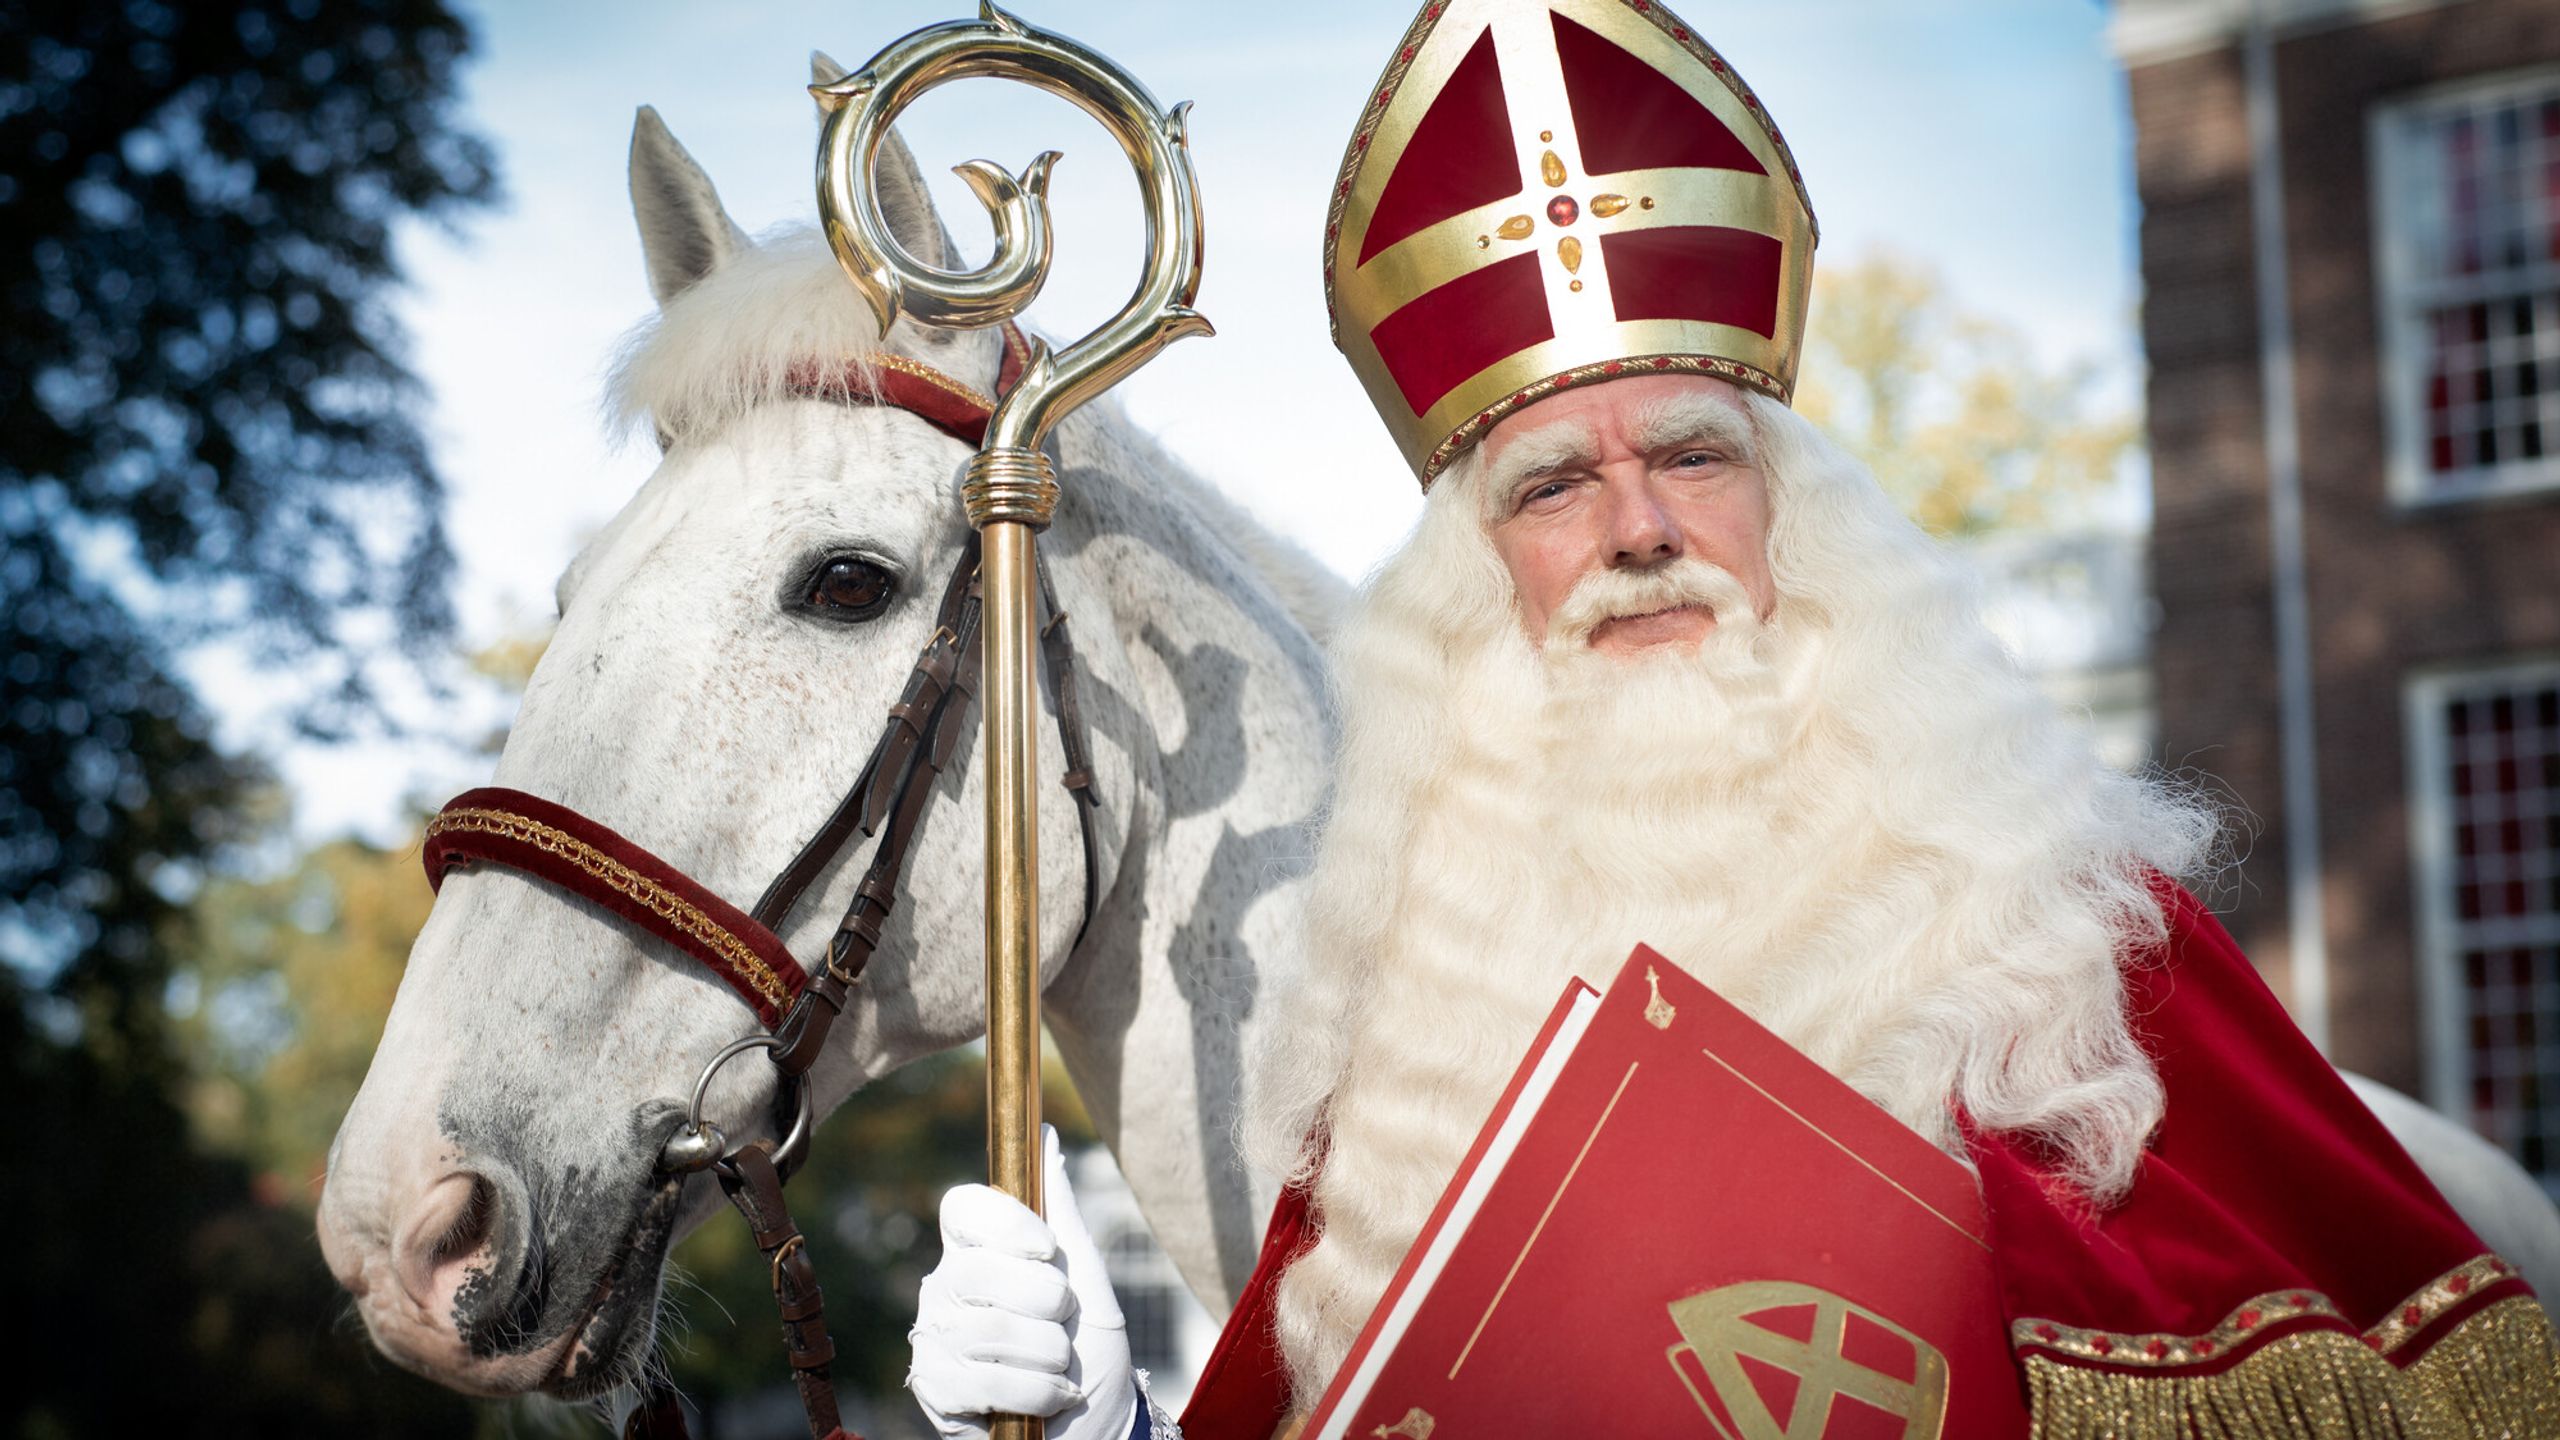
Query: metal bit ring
x,y
700,1144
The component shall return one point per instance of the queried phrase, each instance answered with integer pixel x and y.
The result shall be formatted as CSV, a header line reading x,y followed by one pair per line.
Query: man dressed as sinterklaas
x,y
1661,664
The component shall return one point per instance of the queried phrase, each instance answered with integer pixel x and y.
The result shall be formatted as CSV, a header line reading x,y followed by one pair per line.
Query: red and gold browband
x,y
948,405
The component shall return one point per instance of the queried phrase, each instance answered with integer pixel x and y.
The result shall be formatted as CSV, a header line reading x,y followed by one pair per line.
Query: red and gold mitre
x,y
1544,193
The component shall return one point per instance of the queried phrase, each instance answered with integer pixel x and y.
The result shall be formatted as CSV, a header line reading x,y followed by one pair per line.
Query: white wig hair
x,y
1858,820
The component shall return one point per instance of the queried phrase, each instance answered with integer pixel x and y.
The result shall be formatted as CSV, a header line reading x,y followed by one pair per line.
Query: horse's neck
x,y
1225,726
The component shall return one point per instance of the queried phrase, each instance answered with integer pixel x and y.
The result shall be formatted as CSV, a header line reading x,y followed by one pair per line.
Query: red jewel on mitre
x,y
1544,191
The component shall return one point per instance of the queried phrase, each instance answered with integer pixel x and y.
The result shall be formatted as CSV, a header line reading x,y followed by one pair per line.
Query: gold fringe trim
x,y
2258,1314
2496,1374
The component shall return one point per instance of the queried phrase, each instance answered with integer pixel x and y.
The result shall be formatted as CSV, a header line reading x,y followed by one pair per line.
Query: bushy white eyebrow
x,y
1668,423
1676,420
1538,452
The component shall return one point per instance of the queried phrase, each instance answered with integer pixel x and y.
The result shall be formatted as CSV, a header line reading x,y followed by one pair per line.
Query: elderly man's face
x,y
1632,473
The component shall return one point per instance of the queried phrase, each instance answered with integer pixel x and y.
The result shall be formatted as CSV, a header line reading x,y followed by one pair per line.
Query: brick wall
x,y
2389,590
2209,558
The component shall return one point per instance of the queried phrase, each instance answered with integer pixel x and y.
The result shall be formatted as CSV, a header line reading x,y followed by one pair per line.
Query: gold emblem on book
x,y
1658,1012
1416,1425
1781,1360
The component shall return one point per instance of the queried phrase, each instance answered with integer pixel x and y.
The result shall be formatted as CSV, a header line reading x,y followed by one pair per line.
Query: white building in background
x,y
1170,1334
2076,610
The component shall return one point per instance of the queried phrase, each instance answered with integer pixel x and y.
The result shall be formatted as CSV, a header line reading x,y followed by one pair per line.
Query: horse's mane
x,y
734,340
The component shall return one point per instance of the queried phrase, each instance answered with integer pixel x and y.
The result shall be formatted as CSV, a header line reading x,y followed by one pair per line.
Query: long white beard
x,y
1856,821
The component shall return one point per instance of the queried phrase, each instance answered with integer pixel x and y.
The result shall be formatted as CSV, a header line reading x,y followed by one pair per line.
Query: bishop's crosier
x,y
1661,664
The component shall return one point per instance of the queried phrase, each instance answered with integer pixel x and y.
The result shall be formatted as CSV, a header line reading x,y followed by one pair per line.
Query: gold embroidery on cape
x,y
1718,1334
2494,1372
656,898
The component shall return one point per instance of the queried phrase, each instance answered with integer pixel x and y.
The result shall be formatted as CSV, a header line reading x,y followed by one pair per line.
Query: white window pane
x,y
2468,201
2488,748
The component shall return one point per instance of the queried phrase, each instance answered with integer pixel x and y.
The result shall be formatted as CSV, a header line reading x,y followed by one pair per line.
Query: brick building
x,y
2362,483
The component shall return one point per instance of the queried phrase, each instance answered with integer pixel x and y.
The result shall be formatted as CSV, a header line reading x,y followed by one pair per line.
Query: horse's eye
x,y
849,587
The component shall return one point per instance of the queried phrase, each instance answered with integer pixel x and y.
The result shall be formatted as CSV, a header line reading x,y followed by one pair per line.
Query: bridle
x,y
744,949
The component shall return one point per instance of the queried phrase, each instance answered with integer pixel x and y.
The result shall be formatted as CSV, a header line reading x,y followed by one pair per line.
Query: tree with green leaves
x,y
287,987
207,435
1961,423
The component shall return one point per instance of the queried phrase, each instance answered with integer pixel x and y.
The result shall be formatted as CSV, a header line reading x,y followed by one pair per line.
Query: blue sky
x,y
1989,141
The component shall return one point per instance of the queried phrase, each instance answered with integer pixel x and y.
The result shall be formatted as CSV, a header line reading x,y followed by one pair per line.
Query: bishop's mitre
x,y
1544,193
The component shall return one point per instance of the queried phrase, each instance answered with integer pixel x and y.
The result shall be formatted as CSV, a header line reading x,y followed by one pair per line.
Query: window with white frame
x,y
2485,752
2467,224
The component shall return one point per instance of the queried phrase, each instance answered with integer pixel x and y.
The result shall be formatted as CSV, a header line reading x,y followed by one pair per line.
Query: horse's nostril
x,y
470,1232
447,1239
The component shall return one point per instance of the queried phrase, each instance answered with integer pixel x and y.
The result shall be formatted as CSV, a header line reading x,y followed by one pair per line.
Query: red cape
x,y
2280,1262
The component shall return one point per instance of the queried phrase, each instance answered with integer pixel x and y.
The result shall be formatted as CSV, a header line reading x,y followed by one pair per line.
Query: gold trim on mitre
x,y
1559,214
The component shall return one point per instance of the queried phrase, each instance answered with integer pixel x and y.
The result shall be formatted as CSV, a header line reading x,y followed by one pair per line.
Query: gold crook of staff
x,y
1009,489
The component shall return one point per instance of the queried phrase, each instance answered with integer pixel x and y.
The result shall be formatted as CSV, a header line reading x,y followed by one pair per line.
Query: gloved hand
x,y
1019,1318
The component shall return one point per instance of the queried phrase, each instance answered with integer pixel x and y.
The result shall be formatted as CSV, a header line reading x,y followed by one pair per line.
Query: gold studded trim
x,y
2494,1372
1705,54
1358,149
2421,1311
932,377
2251,1321
657,899
1711,365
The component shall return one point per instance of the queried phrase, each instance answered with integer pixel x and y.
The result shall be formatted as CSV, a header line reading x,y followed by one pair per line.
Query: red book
x,y
1674,1223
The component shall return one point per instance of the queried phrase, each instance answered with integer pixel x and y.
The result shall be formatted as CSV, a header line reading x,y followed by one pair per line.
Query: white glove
x,y
1019,1318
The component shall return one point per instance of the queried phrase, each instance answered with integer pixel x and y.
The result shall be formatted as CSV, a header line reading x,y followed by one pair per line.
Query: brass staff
x,y
1009,488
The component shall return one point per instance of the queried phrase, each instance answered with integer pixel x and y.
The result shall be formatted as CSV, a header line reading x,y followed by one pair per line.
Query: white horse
x,y
492,1197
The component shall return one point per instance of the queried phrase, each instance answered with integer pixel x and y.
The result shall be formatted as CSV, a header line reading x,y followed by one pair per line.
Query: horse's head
x,y
728,647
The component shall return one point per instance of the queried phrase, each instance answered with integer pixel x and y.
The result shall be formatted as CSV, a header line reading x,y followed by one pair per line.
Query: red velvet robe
x,y
2280,1268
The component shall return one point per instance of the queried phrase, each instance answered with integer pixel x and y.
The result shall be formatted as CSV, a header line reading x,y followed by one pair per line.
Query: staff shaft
x,y
1009,489
1013,880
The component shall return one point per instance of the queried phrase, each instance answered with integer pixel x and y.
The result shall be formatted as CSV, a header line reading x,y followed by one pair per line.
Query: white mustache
x,y
1613,594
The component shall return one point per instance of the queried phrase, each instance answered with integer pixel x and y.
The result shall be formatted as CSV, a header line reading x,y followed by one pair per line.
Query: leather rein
x,y
743,948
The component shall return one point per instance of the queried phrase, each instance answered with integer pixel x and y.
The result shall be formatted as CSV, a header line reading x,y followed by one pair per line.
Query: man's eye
x,y
1546,491
848,587
1695,459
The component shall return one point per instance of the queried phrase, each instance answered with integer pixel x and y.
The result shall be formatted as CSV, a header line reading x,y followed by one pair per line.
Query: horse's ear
x,y
904,202
684,233
908,206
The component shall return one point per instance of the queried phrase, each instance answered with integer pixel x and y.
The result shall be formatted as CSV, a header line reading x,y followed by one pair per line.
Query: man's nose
x,y
1641,531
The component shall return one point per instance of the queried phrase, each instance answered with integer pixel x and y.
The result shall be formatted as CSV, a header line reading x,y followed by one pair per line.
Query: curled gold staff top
x,y
860,109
